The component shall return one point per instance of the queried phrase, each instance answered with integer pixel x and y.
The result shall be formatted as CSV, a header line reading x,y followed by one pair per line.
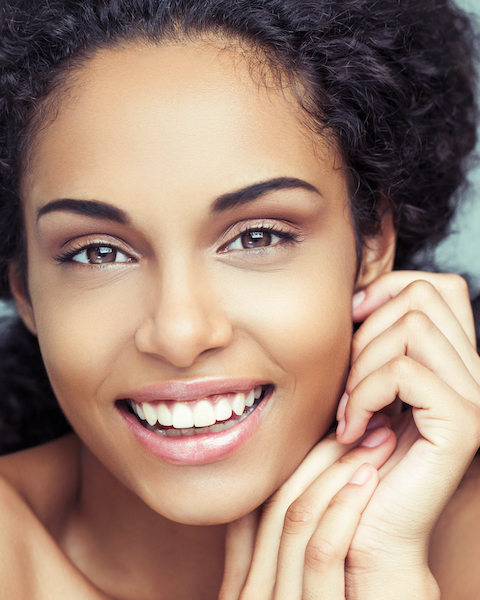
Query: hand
x,y
297,548
417,343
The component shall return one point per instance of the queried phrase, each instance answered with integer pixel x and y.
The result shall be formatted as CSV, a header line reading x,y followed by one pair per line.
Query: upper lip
x,y
183,391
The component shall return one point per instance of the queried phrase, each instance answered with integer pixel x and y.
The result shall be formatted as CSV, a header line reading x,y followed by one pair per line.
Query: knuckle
x,y
400,367
420,289
300,515
416,320
456,283
320,553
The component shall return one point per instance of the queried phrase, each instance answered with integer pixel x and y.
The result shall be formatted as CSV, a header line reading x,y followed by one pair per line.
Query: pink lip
x,y
183,391
199,449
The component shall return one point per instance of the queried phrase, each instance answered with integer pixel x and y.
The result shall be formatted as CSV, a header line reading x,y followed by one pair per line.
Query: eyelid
x,y
71,249
76,256
279,227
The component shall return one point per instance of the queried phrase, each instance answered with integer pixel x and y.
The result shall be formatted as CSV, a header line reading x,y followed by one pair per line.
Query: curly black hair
x,y
392,83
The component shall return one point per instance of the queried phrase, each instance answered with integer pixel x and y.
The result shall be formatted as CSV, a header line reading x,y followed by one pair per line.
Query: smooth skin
x,y
97,516
384,554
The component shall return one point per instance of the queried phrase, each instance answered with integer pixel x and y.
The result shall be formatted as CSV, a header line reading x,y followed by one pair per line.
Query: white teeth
x,y
182,416
223,410
250,399
238,404
150,413
139,411
203,414
164,415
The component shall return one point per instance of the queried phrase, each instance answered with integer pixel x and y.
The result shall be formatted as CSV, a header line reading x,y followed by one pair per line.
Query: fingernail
x,y
342,406
341,427
362,475
376,438
357,299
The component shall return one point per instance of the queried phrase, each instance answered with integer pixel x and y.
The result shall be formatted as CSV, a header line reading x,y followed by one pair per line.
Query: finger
x,y
324,577
239,545
443,417
416,336
304,514
452,288
262,575
418,296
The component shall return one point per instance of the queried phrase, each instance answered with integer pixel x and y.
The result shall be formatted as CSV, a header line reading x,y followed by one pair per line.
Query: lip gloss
x,y
201,448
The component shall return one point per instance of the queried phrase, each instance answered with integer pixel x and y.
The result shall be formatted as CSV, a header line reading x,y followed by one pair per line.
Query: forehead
x,y
149,119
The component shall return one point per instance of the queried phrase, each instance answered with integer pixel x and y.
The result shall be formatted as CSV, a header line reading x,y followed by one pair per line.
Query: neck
x,y
130,551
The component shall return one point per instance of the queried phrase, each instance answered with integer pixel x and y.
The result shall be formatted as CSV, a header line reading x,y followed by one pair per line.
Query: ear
x,y
21,297
378,253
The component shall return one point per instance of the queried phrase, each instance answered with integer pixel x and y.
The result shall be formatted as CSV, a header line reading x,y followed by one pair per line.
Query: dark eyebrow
x,y
101,210
89,208
255,191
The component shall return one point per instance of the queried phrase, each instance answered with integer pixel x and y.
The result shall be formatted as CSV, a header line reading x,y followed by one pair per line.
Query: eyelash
x,y
284,237
69,256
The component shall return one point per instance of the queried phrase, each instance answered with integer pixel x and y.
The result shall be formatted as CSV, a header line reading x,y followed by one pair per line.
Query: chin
x,y
209,513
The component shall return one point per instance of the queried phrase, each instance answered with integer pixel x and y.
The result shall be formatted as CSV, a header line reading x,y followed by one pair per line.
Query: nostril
x,y
179,336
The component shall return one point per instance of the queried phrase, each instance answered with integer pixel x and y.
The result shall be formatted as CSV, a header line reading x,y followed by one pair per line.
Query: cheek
x,y
303,322
305,328
300,316
82,335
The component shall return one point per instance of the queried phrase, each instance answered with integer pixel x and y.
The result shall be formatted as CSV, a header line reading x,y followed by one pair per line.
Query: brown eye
x,y
256,239
100,255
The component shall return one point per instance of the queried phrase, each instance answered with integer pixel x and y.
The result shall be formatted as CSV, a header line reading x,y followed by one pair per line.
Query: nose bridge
x,y
183,319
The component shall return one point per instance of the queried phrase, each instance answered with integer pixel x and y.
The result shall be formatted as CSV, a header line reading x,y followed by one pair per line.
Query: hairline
x,y
263,70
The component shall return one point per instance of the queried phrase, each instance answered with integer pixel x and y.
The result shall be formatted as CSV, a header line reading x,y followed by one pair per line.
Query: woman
x,y
194,196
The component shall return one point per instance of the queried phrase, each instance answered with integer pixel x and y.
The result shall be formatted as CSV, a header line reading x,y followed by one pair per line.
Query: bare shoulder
x,y
37,489
15,526
455,546
44,477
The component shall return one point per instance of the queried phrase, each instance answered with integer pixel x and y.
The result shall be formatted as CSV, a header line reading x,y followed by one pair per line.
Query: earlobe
x,y
21,297
378,253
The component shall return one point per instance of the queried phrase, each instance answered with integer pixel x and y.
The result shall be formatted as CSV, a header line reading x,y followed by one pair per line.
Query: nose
x,y
182,321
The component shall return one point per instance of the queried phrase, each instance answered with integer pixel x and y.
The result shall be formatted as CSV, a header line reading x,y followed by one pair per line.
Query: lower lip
x,y
197,449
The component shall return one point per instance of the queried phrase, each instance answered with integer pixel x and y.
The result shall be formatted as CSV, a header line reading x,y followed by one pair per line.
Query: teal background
x,y
460,252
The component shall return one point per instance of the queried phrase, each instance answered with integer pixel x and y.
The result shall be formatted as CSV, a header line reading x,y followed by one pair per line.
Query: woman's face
x,y
161,273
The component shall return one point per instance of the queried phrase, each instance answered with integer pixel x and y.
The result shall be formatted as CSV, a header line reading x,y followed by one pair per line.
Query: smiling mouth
x,y
207,415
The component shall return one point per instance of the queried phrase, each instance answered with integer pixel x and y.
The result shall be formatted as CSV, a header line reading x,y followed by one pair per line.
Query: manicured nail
x,y
341,427
357,299
342,406
362,475
376,438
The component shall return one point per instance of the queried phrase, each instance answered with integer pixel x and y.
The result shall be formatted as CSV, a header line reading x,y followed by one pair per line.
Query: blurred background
x,y
460,252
